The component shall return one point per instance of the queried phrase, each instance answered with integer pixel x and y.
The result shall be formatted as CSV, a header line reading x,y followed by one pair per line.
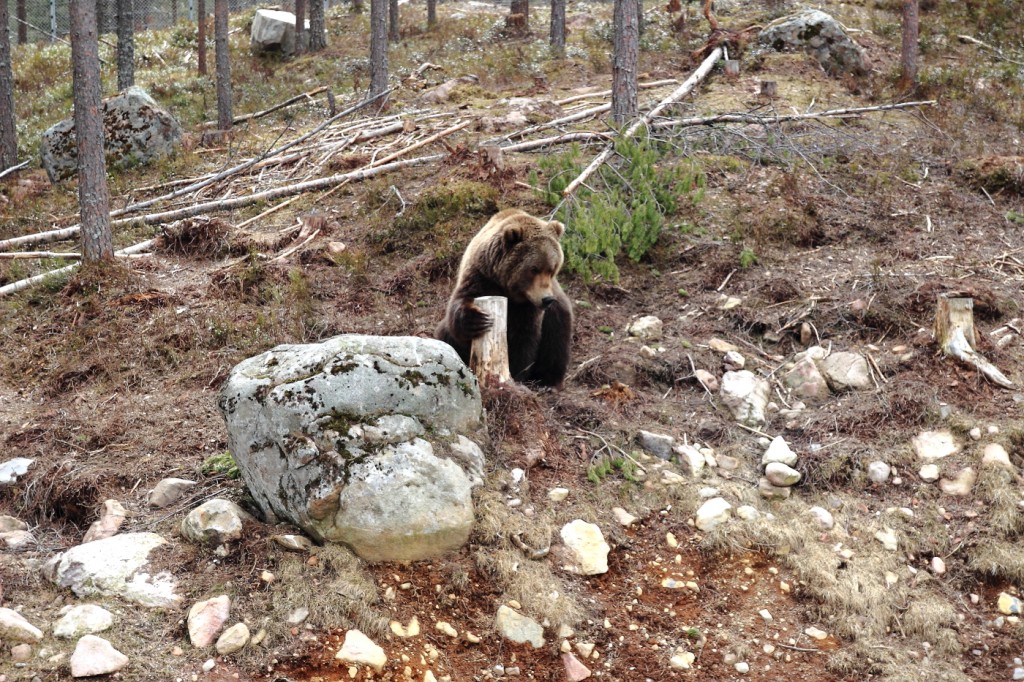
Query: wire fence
x,y
47,20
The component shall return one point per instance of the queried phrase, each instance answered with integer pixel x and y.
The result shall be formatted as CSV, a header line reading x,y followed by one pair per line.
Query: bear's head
x,y
531,257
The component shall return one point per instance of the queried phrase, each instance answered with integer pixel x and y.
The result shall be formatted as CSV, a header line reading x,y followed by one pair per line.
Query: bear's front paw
x,y
473,321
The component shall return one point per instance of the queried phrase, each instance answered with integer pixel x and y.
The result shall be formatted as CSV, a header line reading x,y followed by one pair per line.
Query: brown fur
x,y
517,256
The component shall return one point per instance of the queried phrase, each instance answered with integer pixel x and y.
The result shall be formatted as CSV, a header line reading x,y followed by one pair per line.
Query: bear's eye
x,y
535,270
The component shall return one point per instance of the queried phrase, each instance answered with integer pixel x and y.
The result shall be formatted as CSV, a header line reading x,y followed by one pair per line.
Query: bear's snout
x,y
546,302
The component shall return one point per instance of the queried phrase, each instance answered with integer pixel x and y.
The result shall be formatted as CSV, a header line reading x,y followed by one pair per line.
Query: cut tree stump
x,y
954,332
488,356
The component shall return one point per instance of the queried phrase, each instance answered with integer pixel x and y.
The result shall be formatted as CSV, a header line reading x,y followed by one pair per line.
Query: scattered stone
x,y
746,396
395,406
720,346
21,653
806,381
931,445
518,628
878,472
729,302
747,513
84,619
17,539
709,380
821,36
781,475
938,565
136,131
14,627
656,444
975,433
233,639
742,667
168,491
9,524
446,628
961,485
773,492
623,517
815,633
214,522
727,462
293,543
682,660
205,620
647,328
669,477
298,616
734,361
823,517
996,455
112,567
273,31
107,525
267,577
690,459
845,370
766,615
1010,605
929,473
712,514
708,492
574,670
779,451
358,649
558,494
411,630
208,665
12,468
443,92
96,656
888,539
587,547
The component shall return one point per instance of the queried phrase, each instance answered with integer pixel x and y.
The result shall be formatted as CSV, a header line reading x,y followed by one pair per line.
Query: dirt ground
x,y
853,226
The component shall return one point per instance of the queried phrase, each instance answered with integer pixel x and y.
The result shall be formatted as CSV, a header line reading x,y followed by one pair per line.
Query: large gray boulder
x,y
135,131
822,37
273,31
365,440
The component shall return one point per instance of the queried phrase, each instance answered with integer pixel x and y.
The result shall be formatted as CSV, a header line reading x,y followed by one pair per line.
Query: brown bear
x,y
517,256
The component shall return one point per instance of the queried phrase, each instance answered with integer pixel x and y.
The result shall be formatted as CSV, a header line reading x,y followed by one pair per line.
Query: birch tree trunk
x,y
93,195
220,30
624,61
317,31
378,47
8,134
125,44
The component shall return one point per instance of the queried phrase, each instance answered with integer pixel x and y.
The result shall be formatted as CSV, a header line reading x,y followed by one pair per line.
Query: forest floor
x,y
853,226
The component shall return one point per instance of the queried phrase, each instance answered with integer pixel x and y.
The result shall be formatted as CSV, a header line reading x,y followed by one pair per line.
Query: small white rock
x,y
558,494
359,649
781,475
747,513
938,565
929,473
779,451
996,455
623,517
888,539
712,514
878,472
823,517
587,546
815,633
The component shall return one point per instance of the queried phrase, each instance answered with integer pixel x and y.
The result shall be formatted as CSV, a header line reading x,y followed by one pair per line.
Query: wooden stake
x,y
488,357
954,332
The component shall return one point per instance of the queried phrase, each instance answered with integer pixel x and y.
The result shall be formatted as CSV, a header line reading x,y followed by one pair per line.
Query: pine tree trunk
x,y
201,37
93,195
624,62
300,26
393,33
378,47
557,36
8,134
431,13
22,14
220,38
640,17
125,44
908,56
521,8
317,31
357,6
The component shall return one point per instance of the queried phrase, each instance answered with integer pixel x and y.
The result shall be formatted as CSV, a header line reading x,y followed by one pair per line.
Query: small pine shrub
x,y
627,215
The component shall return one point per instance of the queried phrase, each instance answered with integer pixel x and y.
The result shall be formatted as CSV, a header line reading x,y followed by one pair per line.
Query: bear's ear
x,y
513,234
557,227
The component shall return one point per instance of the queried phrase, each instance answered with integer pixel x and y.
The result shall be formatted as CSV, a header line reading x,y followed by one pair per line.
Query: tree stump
x,y
954,332
488,356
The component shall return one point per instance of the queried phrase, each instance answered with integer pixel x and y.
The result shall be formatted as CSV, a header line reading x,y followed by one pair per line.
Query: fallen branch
x,y
689,84
422,143
954,332
783,118
30,281
605,93
571,118
277,107
38,254
991,48
14,169
557,139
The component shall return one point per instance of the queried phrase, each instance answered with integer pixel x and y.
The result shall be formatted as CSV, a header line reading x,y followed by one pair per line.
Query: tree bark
x,y
488,355
300,26
22,14
220,30
640,17
624,61
317,31
8,134
201,37
125,44
431,13
93,195
522,8
378,47
357,6
557,35
908,56
393,33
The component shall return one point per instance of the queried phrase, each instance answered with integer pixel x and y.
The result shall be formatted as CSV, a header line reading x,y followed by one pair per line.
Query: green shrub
x,y
626,213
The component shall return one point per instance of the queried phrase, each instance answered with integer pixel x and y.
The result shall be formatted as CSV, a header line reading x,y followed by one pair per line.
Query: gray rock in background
x,y
821,36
